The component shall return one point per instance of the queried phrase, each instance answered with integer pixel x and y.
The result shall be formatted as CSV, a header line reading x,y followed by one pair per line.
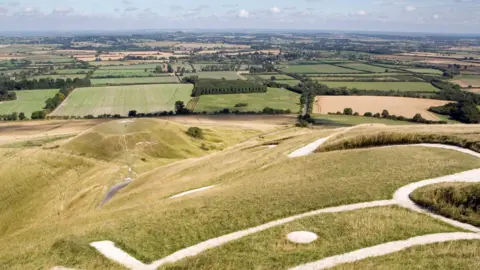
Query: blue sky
x,y
453,16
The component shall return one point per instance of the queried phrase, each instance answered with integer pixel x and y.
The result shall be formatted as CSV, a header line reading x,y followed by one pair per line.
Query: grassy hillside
x,y
460,201
50,194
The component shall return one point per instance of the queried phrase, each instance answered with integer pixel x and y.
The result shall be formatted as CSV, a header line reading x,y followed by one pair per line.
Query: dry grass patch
x,y
399,106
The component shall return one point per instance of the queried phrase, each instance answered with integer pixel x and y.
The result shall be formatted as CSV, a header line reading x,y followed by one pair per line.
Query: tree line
x,y
216,86
7,95
465,112
44,83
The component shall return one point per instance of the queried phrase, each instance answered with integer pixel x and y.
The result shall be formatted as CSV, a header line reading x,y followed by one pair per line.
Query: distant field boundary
x,y
121,84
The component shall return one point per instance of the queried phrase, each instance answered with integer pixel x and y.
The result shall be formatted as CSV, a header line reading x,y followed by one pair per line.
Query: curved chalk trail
x,y
401,198
387,248
191,191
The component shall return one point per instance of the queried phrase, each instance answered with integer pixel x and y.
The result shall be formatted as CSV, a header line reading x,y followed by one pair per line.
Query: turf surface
x,y
27,101
133,80
274,98
122,99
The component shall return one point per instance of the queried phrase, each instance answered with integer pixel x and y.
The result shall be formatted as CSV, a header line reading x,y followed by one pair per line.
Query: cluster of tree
x,y
465,112
7,95
59,97
386,115
147,58
38,115
223,67
215,86
266,110
13,116
45,83
195,132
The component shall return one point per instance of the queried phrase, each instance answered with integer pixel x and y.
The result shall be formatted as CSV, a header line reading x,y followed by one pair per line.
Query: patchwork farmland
x,y
121,99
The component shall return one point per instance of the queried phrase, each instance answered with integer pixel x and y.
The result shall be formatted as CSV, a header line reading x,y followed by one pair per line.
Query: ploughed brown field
x,y
399,106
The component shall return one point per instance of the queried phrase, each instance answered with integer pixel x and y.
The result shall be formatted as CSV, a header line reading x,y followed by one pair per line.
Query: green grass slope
x,y
460,201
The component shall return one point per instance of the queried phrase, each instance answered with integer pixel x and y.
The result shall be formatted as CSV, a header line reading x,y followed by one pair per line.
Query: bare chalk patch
x,y
302,237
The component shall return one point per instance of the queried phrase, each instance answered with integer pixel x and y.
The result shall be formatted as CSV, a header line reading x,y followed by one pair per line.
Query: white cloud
x,y
436,16
410,8
362,13
275,10
62,10
243,14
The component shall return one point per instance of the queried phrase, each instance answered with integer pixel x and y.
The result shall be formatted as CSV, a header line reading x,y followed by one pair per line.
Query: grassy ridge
x,y
392,138
460,201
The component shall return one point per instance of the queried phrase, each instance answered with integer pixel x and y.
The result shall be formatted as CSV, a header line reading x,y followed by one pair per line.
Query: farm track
x,y
400,198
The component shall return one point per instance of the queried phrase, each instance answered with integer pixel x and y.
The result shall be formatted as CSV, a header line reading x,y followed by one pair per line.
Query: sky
x,y
438,16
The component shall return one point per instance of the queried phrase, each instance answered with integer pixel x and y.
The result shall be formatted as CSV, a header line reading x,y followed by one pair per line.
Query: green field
x,y
277,76
290,82
425,70
473,80
365,67
121,99
349,120
228,75
386,86
71,71
274,98
27,101
63,76
358,74
139,66
126,81
49,58
323,68
123,72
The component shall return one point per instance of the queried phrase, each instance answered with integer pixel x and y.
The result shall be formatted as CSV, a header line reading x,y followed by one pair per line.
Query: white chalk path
x,y
401,198
191,191
108,249
310,148
387,248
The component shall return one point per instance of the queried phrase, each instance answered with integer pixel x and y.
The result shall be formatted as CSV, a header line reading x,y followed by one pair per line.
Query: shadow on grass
x,y
330,123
